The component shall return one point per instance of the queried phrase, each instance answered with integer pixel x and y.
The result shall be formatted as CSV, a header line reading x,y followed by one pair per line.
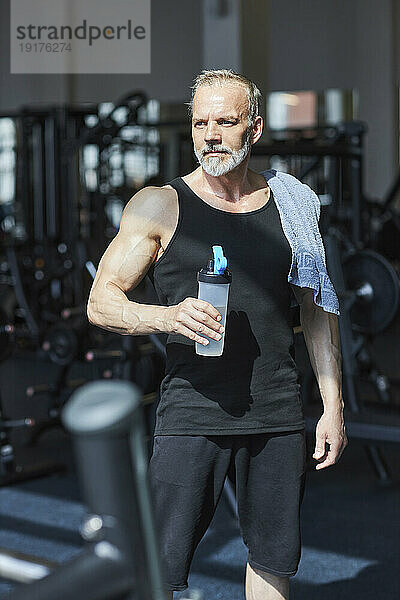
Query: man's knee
x,y
267,575
263,584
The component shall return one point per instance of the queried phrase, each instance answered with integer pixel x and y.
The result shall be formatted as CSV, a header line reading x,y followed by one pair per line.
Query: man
x,y
239,413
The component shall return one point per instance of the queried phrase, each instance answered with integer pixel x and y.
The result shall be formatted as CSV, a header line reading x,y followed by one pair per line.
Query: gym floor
x,y
350,529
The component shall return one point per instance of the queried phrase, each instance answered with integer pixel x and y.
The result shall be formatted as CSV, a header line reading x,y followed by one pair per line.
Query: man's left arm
x,y
321,334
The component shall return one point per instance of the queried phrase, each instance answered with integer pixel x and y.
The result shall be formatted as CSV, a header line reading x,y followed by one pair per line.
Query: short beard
x,y
216,165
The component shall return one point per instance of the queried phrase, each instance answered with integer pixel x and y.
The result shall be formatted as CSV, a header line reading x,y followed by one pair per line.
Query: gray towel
x,y
299,209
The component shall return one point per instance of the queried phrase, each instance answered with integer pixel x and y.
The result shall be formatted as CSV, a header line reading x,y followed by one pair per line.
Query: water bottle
x,y
214,281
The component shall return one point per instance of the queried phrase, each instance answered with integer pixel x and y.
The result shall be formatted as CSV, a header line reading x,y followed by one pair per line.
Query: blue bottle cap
x,y
216,271
220,262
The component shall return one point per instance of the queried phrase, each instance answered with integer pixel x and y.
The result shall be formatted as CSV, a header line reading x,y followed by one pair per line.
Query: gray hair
x,y
223,76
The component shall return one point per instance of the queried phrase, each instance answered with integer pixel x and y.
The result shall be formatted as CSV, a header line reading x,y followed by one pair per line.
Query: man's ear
x,y
257,129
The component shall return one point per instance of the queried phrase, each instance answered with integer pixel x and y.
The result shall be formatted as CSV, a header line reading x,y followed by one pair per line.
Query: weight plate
x,y
369,271
62,344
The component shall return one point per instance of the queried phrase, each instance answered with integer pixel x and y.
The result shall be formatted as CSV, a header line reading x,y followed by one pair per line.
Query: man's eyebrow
x,y
230,117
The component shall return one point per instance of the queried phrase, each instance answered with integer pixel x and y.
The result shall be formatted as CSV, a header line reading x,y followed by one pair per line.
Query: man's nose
x,y
212,133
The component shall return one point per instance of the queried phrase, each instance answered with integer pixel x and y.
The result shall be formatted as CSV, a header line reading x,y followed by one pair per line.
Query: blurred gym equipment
x,y
121,558
373,284
65,175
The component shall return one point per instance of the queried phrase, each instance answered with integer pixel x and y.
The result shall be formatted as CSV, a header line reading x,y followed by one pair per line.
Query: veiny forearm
x,y
110,309
321,333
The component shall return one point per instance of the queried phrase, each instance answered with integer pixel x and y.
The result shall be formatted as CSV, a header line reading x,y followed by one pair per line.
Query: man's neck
x,y
231,187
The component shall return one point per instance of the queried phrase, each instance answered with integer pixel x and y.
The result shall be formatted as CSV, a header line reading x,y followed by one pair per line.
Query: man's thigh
x,y
270,479
186,476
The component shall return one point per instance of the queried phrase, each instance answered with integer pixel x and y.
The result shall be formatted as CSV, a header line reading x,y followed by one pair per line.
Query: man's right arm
x,y
122,267
125,263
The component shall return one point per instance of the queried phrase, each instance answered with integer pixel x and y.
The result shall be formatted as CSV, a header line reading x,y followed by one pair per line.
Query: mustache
x,y
215,148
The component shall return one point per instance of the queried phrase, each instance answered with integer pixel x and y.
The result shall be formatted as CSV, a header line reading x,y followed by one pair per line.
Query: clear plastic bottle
x,y
214,282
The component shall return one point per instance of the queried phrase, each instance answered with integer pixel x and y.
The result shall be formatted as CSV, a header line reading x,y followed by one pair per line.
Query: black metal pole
x,y
96,574
105,419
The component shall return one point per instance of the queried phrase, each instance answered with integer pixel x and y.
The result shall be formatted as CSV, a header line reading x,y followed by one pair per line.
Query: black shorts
x,y
187,476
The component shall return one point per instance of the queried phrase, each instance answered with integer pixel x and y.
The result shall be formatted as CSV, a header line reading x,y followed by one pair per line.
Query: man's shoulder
x,y
153,194
290,191
151,199
151,204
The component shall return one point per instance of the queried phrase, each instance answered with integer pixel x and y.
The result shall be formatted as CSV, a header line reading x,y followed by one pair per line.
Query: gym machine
x,y
121,559
67,172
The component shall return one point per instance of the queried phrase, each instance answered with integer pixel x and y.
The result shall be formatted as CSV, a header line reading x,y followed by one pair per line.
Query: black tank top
x,y
253,387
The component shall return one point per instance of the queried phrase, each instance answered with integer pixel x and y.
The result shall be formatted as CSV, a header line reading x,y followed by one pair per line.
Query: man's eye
x,y
226,122
198,123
